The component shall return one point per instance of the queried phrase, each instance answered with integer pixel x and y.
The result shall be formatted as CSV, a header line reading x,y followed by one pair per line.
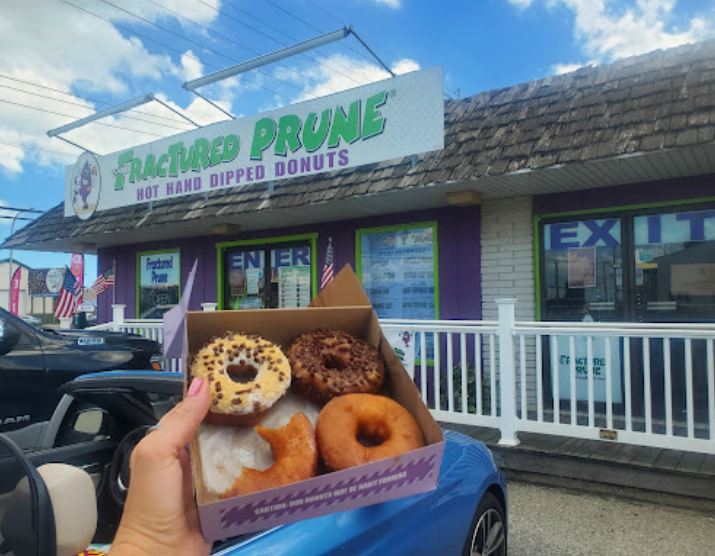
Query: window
x,y
275,273
582,270
397,267
634,264
675,265
158,282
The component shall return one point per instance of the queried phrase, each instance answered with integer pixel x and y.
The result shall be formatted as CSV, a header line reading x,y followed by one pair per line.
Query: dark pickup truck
x,y
35,362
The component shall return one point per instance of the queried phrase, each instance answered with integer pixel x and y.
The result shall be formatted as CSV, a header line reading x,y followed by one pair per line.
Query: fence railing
x,y
644,384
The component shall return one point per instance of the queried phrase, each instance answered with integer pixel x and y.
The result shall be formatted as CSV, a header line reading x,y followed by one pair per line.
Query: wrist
x,y
134,543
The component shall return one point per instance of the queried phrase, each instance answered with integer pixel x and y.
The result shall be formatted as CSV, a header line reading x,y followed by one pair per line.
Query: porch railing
x,y
644,384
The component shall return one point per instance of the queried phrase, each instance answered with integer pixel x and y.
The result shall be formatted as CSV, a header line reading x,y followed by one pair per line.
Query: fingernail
x,y
195,386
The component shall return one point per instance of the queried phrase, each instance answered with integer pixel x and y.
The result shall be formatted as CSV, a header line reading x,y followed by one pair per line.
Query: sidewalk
x,y
672,477
548,521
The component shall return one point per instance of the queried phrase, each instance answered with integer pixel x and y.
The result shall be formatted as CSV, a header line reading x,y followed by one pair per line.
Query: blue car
x,y
102,416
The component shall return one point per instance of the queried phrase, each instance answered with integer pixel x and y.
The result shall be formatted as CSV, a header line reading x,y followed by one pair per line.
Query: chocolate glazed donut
x,y
329,363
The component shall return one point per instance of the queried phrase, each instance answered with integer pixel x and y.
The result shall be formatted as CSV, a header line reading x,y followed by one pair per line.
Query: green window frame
x,y
361,232
267,241
612,210
140,254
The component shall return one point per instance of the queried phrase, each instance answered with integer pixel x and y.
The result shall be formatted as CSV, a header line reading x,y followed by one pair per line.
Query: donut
x,y
329,363
246,374
225,451
360,428
295,454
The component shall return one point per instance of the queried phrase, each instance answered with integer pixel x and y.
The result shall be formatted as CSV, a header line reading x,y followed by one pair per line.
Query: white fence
x,y
644,384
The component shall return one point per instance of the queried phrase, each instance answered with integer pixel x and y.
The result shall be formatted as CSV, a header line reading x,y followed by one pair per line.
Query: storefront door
x,y
273,276
651,265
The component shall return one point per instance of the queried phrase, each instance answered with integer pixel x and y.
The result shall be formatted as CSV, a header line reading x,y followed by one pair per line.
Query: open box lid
x,y
344,290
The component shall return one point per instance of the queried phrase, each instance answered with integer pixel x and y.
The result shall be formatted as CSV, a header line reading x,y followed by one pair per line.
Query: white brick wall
x,y
507,255
507,242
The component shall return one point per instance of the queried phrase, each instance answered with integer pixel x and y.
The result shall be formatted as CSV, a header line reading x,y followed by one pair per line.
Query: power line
x,y
229,39
323,9
280,32
313,27
196,43
2,207
88,108
75,117
86,99
155,41
36,148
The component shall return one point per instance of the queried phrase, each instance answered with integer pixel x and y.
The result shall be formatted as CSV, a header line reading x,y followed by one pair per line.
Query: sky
x,y
65,59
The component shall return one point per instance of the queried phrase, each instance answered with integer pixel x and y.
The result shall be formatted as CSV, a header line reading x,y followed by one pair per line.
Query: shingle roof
x,y
646,103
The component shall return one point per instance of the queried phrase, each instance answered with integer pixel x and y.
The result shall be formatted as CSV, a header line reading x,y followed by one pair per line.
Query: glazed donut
x,y
295,454
246,374
360,428
329,363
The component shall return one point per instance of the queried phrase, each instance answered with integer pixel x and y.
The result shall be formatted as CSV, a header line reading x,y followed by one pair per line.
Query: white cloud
x,y
190,66
55,45
190,9
337,73
608,29
394,4
560,69
521,3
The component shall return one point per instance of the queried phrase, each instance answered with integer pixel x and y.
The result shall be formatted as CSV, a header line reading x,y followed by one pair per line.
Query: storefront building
x,y
586,196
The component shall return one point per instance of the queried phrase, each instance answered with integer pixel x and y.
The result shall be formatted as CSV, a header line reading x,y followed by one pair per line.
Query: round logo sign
x,y
86,185
53,280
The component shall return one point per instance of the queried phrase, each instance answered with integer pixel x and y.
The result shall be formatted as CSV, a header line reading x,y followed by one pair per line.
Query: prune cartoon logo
x,y
86,185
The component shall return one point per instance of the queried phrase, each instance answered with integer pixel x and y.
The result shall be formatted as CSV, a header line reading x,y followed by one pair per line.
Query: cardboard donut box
x,y
342,305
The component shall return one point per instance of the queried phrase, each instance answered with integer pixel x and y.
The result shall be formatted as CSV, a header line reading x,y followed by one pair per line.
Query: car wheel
x,y
487,535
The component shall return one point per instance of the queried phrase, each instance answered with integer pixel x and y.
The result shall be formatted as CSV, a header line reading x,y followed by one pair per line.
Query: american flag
x,y
329,266
69,296
104,281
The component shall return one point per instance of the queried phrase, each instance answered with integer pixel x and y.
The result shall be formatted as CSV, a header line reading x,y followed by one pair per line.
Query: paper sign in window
x,y
582,267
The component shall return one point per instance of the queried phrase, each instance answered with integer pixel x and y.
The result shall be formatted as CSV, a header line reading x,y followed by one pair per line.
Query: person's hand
x,y
160,515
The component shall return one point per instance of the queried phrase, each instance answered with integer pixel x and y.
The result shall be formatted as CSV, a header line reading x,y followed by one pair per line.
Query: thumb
x,y
180,424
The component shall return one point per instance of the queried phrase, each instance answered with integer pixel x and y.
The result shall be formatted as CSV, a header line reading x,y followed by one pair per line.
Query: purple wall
x,y
633,194
459,258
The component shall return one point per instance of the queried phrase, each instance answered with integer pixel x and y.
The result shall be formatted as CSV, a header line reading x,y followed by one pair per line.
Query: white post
x,y
118,314
209,307
507,374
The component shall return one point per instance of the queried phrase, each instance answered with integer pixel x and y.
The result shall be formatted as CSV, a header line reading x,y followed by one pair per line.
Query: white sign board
x,y
599,367
388,119
53,280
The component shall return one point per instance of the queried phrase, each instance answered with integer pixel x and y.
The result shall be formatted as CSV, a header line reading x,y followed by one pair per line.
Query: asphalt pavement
x,y
554,522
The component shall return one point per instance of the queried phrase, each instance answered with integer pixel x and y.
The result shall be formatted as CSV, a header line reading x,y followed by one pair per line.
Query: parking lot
x,y
549,521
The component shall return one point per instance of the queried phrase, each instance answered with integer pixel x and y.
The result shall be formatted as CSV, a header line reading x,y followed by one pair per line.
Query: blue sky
x,y
64,59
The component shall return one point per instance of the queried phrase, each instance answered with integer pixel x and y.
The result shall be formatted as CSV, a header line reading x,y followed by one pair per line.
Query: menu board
x,y
293,286
397,271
